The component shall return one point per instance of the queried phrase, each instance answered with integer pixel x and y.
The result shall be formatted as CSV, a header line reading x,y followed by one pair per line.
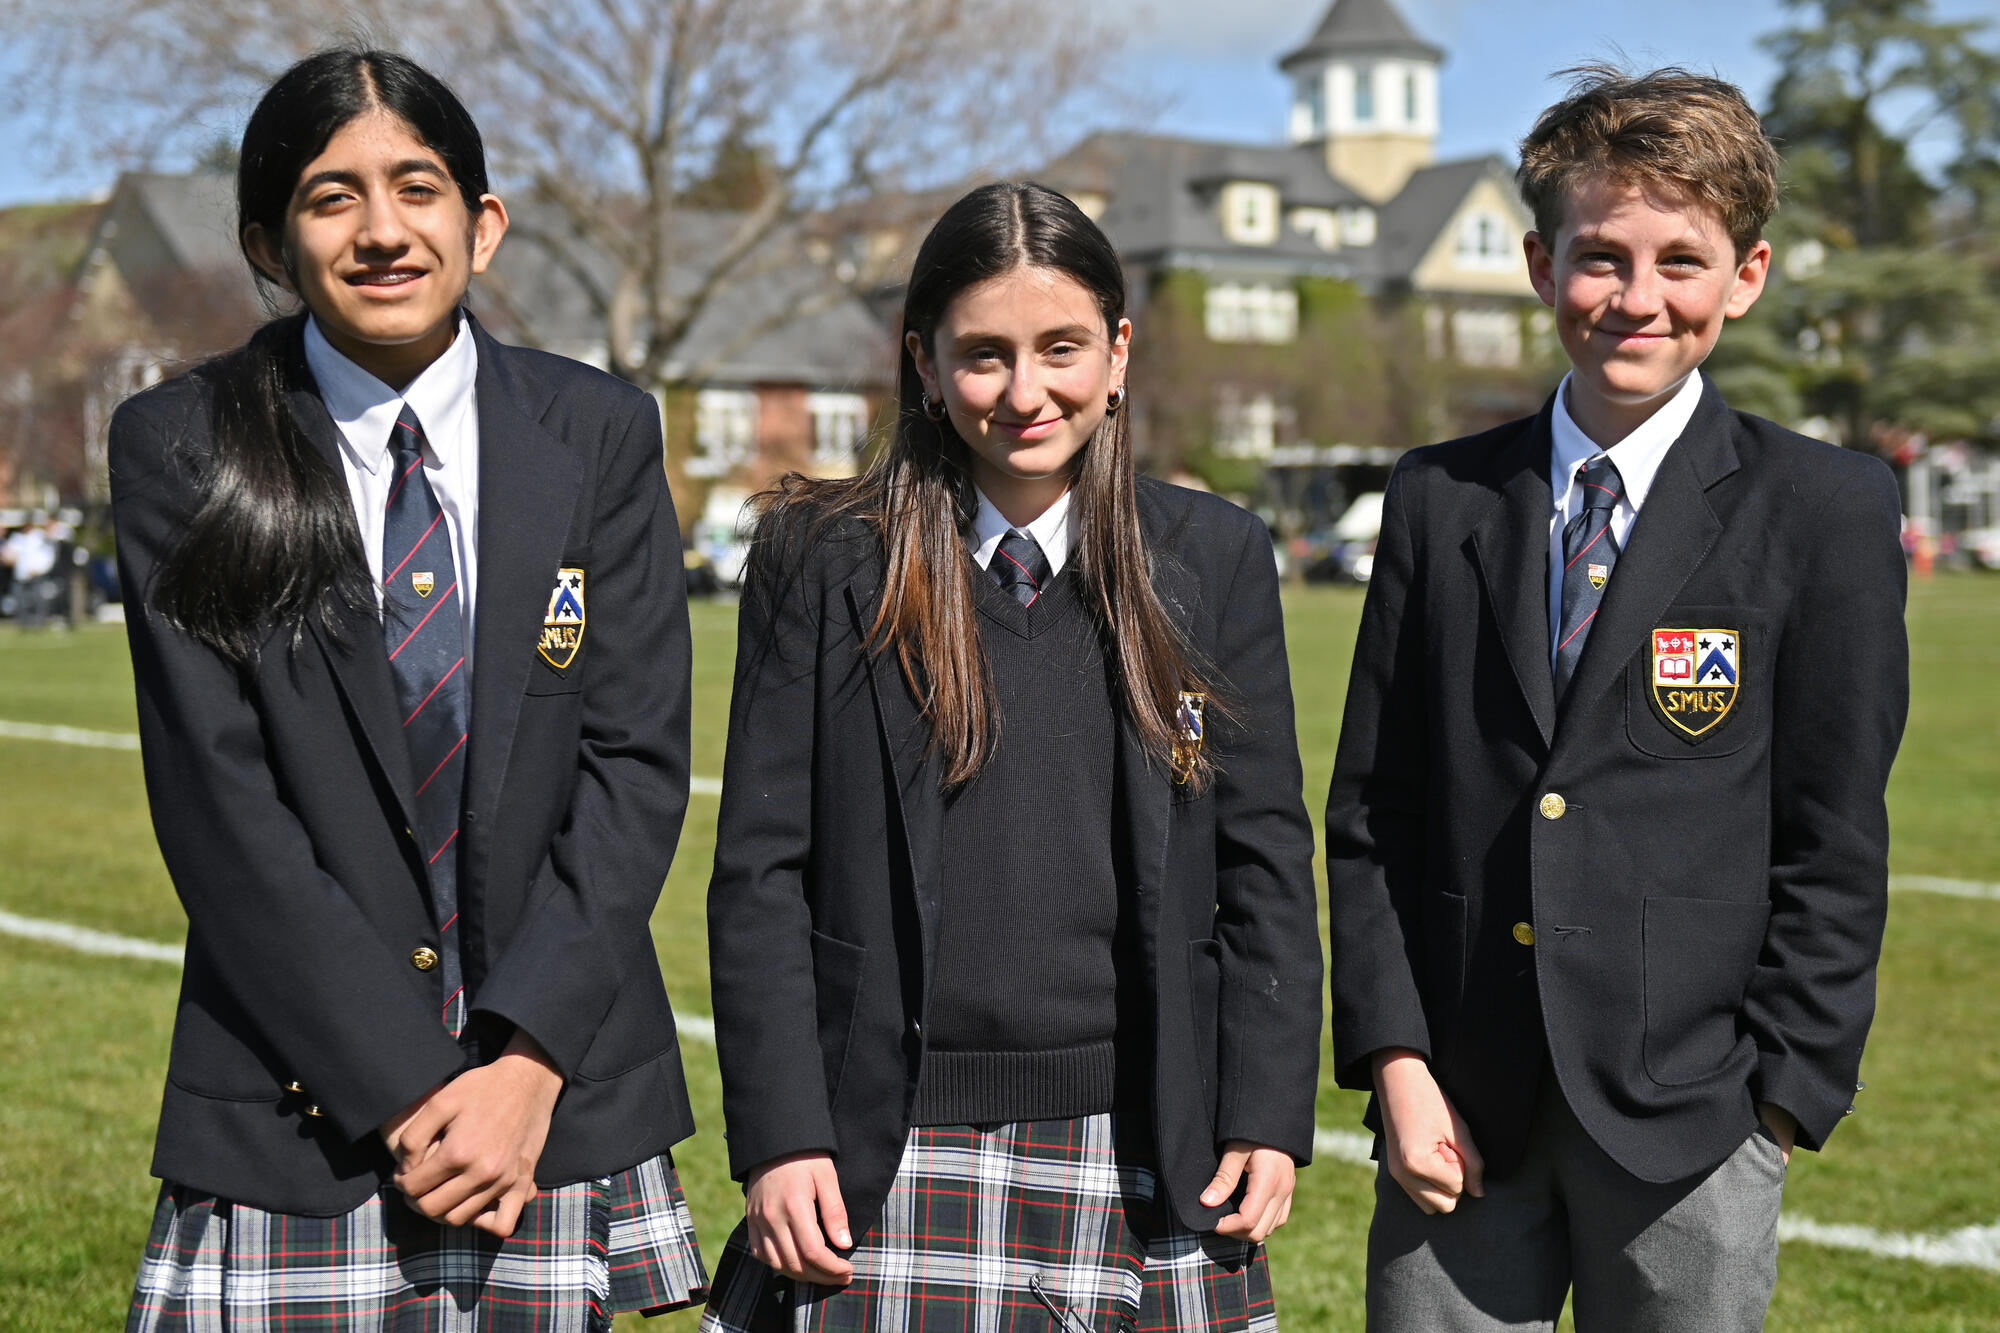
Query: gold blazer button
x,y
424,958
1554,806
1524,933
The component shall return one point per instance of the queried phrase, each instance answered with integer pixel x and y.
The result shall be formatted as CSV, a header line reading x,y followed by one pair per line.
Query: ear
x,y
1121,351
1541,267
1752,271
926,368
489,225
267,253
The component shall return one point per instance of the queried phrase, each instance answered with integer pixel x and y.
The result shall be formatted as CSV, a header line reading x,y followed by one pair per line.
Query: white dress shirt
x,y
1638,457
1050,531
366,409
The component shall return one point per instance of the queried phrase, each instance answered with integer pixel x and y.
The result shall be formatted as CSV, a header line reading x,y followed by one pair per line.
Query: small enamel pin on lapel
x,y
1188,724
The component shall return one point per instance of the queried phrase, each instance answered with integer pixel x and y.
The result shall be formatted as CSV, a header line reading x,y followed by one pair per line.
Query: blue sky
x,y
1210,67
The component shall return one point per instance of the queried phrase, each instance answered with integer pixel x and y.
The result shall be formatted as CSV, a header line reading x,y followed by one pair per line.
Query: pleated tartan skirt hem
x,y
581,1254
1033,1227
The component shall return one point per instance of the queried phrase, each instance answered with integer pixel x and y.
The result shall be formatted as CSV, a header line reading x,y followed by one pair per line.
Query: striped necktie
x,y
1020,568
1590,552
424,632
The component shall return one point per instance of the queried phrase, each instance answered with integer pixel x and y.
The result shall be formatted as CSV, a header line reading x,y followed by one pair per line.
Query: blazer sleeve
x,y
1267,915
1840,698
556,979
774,1093
1376,813
330,996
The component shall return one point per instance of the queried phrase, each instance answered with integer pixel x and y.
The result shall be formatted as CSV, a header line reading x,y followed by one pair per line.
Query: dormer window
x,y
1485,243
1322,224
1250,213
1357,226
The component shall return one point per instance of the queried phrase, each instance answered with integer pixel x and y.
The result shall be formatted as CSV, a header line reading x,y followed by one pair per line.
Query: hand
x,y
468,1155
1267,1201
790,1199
1784,1126
1428,1149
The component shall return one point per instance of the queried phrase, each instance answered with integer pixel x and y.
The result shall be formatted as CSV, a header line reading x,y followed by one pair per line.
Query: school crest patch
x,y
1189,719
422,583
1695,678
562,627
1599,575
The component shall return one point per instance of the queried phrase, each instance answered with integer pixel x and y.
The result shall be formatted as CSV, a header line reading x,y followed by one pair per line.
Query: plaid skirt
x,y
1035,1227
580,1253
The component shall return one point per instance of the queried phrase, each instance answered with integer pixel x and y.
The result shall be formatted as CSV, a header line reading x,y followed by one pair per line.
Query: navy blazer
x,y
1677,913
282,800
823,909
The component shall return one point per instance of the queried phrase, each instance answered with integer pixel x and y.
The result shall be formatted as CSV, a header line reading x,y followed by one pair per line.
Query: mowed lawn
x,y
84,1043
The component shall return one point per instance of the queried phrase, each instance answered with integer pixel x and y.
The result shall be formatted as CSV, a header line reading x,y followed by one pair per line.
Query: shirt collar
x,y
1050,531
1638,455
366,409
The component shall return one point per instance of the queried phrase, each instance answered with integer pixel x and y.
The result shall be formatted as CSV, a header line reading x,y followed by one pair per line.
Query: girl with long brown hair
x,y
1012,925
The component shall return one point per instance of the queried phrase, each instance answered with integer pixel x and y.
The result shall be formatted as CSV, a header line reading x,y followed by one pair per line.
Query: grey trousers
x,y
1696,1254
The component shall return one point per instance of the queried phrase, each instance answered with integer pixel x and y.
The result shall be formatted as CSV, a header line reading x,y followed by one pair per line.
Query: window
x,y
1486,337
1312,96
1247,427
725,431
1250,213
840,424
1364,95
1357,226
1322,224
1238,313
1410,98
1484,243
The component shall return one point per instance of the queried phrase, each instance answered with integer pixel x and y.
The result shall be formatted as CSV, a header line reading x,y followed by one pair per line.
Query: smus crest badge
x,y
1695,675
1189,720
422,582
562,627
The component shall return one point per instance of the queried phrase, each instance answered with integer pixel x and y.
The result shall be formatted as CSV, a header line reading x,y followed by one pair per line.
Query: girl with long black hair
x,y
410,642
1012,925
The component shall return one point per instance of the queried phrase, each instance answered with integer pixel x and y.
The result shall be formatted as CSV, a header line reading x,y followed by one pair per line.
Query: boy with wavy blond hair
x,y
1606,839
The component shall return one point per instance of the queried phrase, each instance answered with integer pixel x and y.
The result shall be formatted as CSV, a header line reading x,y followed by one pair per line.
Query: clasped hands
x,y
794,1209
1428,1149
466,1151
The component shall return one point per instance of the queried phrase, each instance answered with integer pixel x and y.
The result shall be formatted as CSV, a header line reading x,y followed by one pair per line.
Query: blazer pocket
x,y
837,969
1205,1004
1699,686
1444,949
1698,957
562,645
215,1052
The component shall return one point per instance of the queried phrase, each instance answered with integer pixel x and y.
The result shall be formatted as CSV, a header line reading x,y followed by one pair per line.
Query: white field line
x,y
97,740
125,740
1967,1247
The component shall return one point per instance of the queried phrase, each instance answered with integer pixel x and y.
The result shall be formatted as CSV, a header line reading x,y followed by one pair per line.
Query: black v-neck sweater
x,y
1025,1009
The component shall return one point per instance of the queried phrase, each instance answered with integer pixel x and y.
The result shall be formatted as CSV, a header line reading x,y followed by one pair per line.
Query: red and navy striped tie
x,y
1590,551
1020,567
424,632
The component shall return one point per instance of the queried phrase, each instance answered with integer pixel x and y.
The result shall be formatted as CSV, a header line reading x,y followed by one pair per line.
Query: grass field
x,y
84,1046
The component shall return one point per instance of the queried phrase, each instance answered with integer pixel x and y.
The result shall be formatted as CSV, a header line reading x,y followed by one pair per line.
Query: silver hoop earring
x,y
933,408
1114,400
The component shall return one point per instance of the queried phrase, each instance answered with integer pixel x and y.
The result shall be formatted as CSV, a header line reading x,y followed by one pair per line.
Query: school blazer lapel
x,y
1511,550
1673,534
353,649
528,483
906,737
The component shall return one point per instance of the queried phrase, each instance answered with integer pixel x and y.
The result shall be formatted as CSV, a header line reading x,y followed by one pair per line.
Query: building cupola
x,y
1365,87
